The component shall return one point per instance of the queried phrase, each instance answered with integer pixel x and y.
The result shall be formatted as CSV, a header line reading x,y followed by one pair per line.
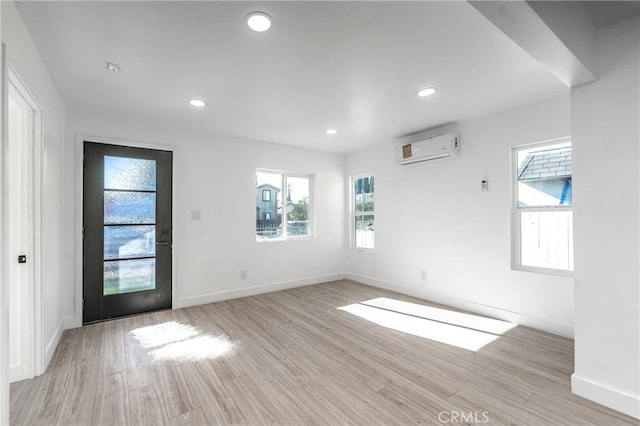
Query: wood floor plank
x,y
215,402
147,407
112,350
67,348
294,357
176,390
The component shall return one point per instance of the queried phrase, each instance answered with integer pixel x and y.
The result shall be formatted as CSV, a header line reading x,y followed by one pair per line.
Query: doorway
x,y
23,231
127,231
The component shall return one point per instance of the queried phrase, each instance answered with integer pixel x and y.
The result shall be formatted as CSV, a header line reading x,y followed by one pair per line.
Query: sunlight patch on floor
x,y
173,340
476,322
458,329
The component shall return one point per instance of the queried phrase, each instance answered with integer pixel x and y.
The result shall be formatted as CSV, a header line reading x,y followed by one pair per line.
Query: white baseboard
x,y
607,396
564,330
203,299
50,349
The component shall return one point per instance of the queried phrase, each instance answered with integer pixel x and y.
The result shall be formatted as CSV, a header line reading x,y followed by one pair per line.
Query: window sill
x,y
281,240
545,271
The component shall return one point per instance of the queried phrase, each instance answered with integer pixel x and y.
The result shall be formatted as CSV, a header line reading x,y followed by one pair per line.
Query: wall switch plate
x,y
196,215
243,274
423,275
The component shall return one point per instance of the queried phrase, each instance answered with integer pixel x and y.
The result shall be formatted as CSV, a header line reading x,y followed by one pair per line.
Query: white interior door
x,y
20,235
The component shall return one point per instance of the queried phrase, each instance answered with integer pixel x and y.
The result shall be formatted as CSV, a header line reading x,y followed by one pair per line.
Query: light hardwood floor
x,y
292,357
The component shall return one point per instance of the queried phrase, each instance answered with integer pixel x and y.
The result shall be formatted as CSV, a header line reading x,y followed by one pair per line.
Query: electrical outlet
x,y
423,275
243,274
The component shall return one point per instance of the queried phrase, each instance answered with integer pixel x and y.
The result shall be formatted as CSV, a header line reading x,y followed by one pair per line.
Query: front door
x,y
127,231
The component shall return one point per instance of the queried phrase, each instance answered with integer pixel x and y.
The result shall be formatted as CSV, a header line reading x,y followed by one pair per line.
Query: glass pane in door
x,y
129,207
126,276
129,256
129,241
129,173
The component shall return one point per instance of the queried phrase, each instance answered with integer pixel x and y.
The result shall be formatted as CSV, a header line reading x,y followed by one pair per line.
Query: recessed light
x,y
197,103
259,21
331,131
427,91
113,67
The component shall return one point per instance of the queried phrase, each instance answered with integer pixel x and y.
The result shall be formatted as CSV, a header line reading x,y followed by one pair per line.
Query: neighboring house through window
x,y
542,208
273,204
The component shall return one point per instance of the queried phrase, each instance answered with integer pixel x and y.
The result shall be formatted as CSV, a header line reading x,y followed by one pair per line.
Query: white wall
x,y
433,216
216,175
56,269
4,287
605,119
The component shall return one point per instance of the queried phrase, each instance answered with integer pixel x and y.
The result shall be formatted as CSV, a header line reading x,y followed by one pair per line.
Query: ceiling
x,y
604,13
353,66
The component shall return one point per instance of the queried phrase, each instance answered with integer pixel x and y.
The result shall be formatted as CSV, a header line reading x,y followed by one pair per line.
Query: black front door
x,y
127,231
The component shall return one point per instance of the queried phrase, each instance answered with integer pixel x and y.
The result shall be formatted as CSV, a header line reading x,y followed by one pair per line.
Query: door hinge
x,y
83,232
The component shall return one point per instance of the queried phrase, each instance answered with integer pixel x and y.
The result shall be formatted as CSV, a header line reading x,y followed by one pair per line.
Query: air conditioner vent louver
x,y
445,146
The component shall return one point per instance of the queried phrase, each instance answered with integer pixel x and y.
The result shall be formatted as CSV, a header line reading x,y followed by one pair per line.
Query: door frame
x,y
34,342
80,139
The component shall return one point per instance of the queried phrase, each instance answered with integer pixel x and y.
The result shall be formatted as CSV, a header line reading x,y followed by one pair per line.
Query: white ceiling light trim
x,y
259,21
427,91
331,131
199,103
113,67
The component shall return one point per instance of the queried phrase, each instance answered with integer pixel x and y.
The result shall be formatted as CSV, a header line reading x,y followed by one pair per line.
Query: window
x,y
293,204
542,208
363,212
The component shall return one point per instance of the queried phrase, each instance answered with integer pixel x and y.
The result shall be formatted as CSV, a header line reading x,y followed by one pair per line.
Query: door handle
x,y
163,243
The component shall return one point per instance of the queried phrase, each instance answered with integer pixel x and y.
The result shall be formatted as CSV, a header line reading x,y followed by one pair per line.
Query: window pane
x,y
546,239
121,242
363,192
126,276
268,212
364,226
129,207
129,173
544,176
297,206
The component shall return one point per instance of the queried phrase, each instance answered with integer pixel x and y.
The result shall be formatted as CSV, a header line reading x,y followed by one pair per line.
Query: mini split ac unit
x,y
445,146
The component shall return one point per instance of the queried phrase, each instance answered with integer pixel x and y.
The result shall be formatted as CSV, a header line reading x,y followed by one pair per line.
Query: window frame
x,y
266,192
516,211
353,214
283,182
